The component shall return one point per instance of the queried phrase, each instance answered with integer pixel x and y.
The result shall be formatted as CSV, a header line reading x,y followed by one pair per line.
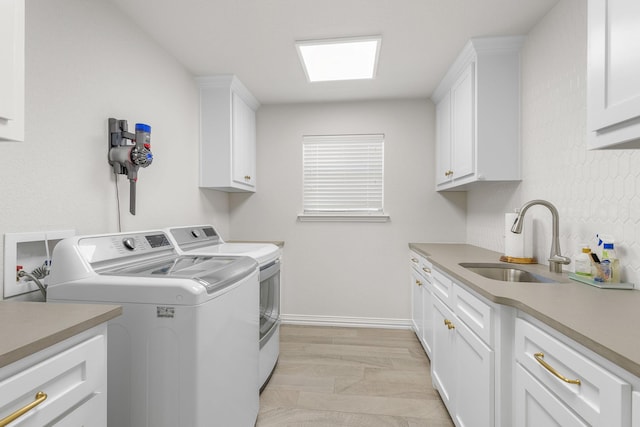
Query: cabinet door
x,y
463,124
474,379
417,311
12,70
614,66
443,360
243,136
427,319
536,406
92,413
635,411
443,140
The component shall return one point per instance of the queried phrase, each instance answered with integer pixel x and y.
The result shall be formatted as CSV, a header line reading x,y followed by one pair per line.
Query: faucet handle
x,y
559,259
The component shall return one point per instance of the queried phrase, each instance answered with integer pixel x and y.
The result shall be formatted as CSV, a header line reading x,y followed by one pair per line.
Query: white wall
x,y
595,191
86,62
344,270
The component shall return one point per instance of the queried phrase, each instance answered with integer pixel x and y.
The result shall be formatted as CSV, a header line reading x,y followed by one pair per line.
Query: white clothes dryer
x,y
205,240
185,350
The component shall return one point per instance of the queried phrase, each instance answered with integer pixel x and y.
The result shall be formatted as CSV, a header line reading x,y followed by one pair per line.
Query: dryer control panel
x,y
190,238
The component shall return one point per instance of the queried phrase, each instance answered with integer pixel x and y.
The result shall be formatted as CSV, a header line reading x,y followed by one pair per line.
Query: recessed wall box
x,y
30,251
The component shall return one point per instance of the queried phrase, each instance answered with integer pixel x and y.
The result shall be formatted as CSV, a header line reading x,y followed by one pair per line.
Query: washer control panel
x,y
111,247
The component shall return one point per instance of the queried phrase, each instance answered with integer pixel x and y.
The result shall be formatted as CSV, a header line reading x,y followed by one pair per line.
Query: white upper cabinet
x,y
227,134
613,86
478,115
12,27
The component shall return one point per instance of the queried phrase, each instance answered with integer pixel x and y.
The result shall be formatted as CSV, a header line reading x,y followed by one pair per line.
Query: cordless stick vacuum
x,y
128,152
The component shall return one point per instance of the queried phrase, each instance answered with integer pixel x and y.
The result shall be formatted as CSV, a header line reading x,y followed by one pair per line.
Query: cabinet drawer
x,y
414,260
426,269
474,312
442,287
421,264
601,398
68,378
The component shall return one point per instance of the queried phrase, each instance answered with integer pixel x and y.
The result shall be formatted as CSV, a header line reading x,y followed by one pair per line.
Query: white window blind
x,y
343,175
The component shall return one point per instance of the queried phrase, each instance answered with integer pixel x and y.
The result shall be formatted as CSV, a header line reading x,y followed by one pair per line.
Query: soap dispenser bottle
x,y
582,263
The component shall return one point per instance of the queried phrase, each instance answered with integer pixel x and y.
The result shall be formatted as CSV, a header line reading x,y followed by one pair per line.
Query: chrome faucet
x,y
556,260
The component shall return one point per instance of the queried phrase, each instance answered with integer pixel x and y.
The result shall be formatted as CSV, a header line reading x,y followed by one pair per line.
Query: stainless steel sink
x,y
504,273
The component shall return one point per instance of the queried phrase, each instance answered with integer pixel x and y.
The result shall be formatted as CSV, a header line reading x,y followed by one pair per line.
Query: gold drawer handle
x,y
414,260
247,178
540,358
40,397
418,282
426,270
448,324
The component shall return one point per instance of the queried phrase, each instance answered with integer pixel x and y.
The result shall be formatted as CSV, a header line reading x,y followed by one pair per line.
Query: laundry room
x,y
108,133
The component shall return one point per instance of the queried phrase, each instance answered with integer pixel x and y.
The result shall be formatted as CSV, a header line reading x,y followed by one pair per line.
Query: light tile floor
x,y
350,377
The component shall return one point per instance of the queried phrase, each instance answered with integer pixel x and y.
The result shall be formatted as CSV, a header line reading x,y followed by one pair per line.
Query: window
x,y
343,178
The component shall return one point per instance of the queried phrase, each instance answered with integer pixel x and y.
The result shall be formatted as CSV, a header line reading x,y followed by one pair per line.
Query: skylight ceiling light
x,y
339,59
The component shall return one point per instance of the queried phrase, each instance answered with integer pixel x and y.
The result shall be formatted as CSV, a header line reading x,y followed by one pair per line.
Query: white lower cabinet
x,y
73,376
557,385
635,409
475,381
421,297
463,365
443,361
536,406
497,366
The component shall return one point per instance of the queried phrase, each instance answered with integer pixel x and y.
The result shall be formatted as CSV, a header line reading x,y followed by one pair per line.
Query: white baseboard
x,y
359,322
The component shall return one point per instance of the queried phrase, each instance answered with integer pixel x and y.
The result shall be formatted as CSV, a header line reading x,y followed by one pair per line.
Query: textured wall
x,y
595,191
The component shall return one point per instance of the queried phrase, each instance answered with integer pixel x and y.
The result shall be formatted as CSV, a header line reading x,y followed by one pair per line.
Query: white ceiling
x,y
254,39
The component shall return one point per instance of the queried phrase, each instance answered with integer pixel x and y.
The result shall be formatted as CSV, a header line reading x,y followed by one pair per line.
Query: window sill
x,y
343,218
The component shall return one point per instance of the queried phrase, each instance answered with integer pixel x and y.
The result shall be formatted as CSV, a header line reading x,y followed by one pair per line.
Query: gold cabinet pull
x,y
448,324
418,282
40,397
540,358
426,270
247,178
414,260
451,326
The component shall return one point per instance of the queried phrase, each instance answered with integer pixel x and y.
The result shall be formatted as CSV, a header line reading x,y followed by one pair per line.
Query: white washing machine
x,y
205,240
185,351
